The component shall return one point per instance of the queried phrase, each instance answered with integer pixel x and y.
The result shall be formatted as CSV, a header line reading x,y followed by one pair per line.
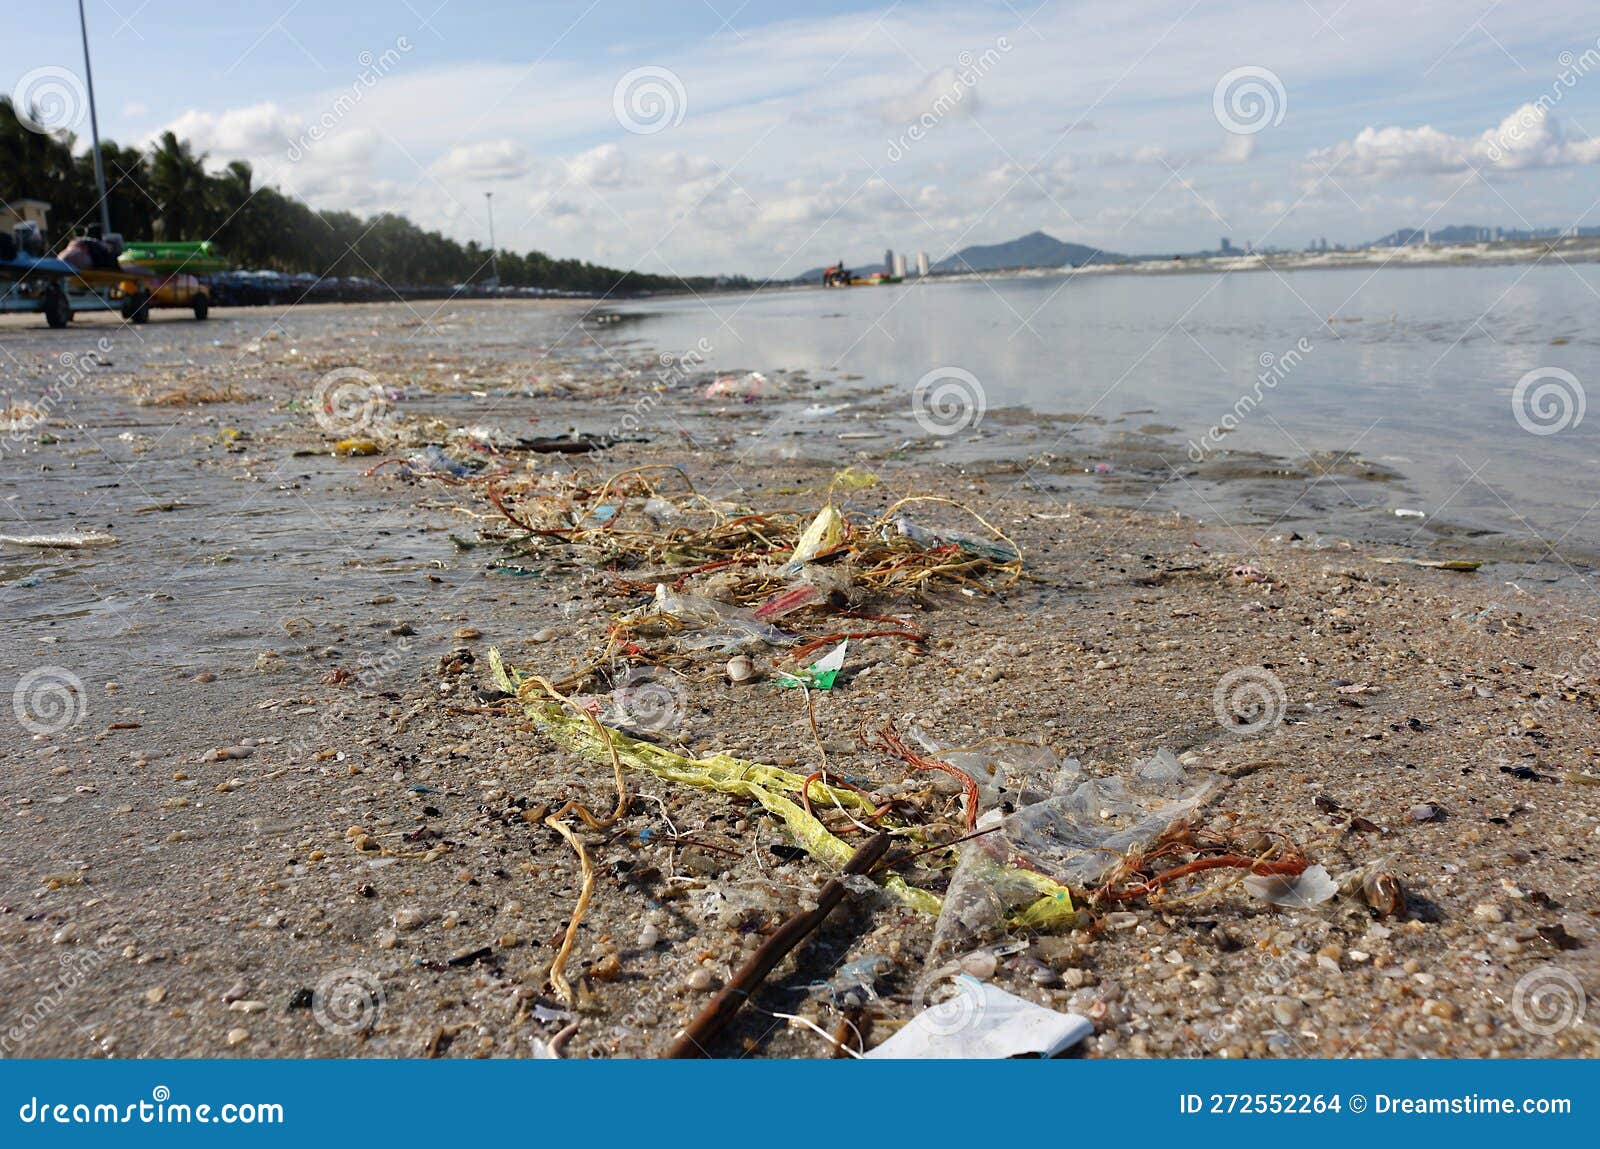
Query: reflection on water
x,y
1412,367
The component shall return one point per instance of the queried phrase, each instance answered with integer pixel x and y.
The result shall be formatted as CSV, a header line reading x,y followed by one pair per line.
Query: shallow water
x,y
1415,368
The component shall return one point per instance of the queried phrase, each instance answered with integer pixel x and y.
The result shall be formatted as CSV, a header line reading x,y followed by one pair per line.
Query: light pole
x,y
94,129
494,258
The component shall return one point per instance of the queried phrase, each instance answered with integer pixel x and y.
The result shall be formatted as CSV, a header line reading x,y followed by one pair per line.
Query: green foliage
x,y
167,193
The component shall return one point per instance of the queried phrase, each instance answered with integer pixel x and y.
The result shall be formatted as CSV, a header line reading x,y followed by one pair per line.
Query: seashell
x,y
741,669
1385,894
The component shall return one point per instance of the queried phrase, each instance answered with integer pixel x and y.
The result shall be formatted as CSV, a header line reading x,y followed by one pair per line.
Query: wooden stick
x,y
714,1018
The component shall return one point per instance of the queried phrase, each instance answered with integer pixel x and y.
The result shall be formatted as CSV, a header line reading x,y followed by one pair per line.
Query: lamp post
x,y
94,129
494,258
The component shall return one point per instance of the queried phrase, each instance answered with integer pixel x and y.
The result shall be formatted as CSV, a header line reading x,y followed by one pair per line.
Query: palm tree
x,y
178,182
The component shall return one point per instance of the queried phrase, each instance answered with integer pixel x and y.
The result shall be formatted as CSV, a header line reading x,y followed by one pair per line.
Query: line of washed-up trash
x,y
1025,842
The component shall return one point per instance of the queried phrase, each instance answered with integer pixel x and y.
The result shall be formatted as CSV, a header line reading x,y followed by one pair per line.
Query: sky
x,y
763,138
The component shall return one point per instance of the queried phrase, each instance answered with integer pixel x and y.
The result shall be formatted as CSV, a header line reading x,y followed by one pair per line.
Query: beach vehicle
x,y
31,283
58,290
140,290
199,257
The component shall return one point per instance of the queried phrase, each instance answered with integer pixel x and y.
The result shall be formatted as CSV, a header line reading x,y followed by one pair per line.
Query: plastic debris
x,y
1077,837
745,387
61,541
969,544
856,982
347,448
703,623
984,1021
1432,564
855,478
1409,513
767,785
821,674
1311,887
824,534
432,460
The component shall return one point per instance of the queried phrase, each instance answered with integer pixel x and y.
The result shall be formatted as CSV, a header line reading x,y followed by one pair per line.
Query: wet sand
x,y
268,601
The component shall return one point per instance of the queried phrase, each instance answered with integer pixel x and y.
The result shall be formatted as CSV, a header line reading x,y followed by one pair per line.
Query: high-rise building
x,y
922,264
1227,246
888,261
900,266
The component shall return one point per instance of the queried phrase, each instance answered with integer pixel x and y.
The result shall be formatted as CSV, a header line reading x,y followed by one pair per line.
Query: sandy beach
x,y
264,798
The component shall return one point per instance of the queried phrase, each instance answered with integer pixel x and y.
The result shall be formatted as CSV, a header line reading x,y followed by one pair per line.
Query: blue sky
x,y
767,138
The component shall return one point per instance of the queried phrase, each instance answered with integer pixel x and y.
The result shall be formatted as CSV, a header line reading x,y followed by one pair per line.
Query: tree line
x,y
166,192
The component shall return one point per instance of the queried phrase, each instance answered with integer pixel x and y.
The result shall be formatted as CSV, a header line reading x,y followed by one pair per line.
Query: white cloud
x,y
601,167
260,129
493,160
943,93
1530,137
782,154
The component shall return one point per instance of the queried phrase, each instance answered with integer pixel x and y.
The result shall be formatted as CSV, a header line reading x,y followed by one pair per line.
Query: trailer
x,y
30,283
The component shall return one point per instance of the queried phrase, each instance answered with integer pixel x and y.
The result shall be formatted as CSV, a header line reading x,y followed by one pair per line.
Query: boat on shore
x,y
840,276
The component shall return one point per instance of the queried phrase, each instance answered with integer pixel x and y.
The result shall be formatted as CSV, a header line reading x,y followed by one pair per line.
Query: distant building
x,y
24,211
922,264
1227,246
888,261
899,266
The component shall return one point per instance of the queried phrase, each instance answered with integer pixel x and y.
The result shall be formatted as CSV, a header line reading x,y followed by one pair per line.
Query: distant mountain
x,y
1472,233
1036,249
1033,250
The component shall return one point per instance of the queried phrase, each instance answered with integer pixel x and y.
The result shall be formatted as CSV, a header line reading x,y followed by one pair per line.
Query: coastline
x,y
227,616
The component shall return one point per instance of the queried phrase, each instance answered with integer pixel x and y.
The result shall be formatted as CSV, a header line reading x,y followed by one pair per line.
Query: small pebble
x,y
238,1036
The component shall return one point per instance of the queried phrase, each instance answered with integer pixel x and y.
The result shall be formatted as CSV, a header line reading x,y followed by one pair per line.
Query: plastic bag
x,y
929,539
1075,837
713,625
